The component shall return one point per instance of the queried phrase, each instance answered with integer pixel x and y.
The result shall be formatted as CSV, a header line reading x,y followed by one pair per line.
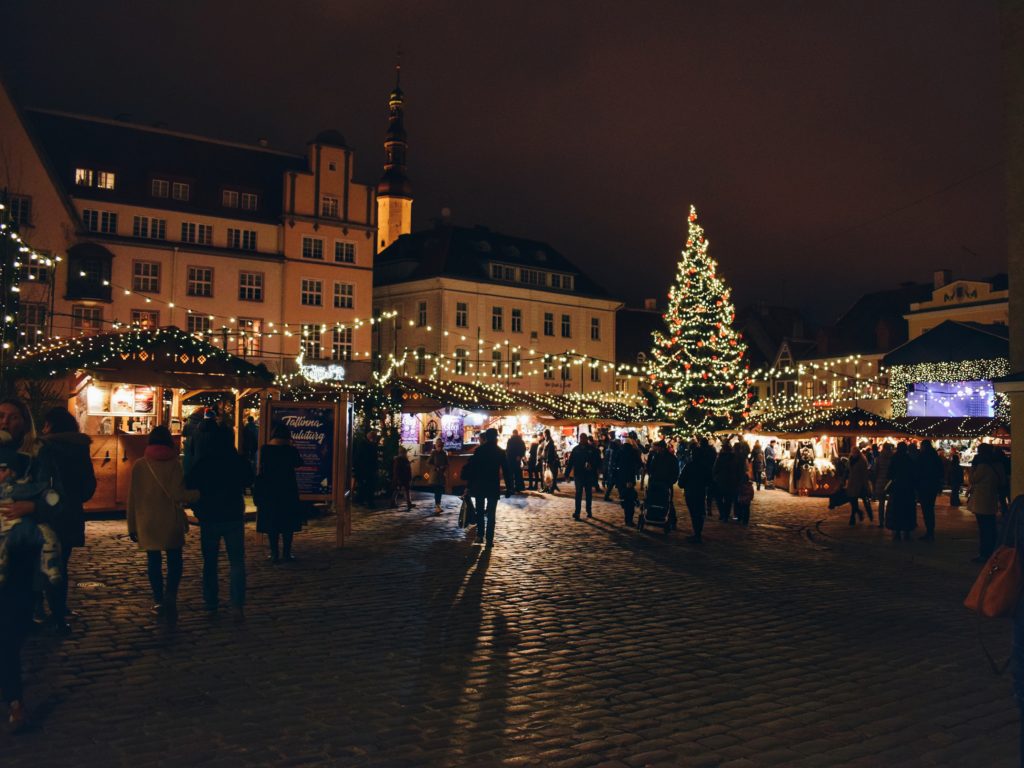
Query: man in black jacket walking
x,y
516,450
627,465
484,470
582,464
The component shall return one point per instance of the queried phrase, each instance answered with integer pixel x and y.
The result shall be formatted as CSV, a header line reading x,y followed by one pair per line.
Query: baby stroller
x,y
657,508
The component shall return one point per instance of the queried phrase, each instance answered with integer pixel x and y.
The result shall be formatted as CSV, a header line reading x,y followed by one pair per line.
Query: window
x,y
497,362
180,191
344,296
250,286
105,179
200,282
421,361
332,166
517,321
517,365
329,207
313,248
566,372
21,210
145,318
311,347
34,272
461,356
595,329
32,319
198,325
250,201
83,177
312,293
341,344
461,315
549,369
248,336
566,327
556,281
510,273
100,221
421,314
549,324
197,233
497,271
152,228
595,369
159,188
562,282
244,239
86,177
344,253
146,276
497,319
532,277
86,320
229,198
567,282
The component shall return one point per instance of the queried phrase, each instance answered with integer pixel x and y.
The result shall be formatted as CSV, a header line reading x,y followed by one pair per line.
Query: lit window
x,y
329,207
105,179
146,276
312,294
159,188
248,336
145,318
83,177
344,253
86,320
200,282
343,296
312,248
250,286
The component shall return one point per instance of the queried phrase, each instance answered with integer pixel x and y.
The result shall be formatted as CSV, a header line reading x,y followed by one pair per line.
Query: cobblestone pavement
x,y
798,642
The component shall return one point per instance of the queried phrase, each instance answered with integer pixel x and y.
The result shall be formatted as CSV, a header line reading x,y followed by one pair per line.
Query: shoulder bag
x,y
178,505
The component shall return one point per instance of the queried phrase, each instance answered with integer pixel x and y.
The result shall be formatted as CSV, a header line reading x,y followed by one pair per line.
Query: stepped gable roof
x,y
633,329
953,342
137,154
466,252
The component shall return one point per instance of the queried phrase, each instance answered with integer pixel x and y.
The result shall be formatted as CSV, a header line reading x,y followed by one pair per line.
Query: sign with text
x,y
313,435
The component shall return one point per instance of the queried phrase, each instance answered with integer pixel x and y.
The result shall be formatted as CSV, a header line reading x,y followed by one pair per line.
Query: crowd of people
x,y
47,476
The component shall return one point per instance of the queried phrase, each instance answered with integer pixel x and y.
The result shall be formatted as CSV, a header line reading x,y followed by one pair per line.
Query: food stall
x,y
121,385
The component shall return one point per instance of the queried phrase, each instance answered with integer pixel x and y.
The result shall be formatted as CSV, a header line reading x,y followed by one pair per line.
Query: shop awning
x,y
163,357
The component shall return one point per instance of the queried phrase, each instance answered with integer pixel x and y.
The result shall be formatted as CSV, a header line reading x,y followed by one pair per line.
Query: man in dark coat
x,y
627,466
582,465
221,475
532,464
611,447
484,470
365,466
695,479
515,449
552,460
929,476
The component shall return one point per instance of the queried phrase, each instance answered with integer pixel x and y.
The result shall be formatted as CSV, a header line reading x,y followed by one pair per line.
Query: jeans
x,y
233,533
769,471
485,508
855,508
286,538
438,492
695,504
156,578
987,534
928,511
725,502
584,487
743,513
515,474
627,492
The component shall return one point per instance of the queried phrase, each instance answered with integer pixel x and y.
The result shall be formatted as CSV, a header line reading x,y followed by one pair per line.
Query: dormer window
x,y
87,177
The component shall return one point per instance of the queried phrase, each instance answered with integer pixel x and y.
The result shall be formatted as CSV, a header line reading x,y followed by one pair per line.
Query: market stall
x,y
121,385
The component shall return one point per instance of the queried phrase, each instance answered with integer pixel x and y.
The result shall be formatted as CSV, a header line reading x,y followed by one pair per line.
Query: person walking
x,y
438,463
69,450
485,468
954,477
156,517
221,476
582,467
983,499
611,448
552,461
365,465
533,464
901,513
724,476
770,465
627,465
857,486
515,449
757,464
250,441
694,480
880,479
276,493
929,474
401,478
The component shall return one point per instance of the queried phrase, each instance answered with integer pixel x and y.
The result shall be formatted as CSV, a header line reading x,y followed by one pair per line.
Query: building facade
x,y
985,302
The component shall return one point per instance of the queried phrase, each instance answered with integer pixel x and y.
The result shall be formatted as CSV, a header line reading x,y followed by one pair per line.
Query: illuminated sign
x,y
319,373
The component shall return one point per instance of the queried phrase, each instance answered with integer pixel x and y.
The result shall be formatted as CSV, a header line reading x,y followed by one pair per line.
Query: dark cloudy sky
x,y
831,147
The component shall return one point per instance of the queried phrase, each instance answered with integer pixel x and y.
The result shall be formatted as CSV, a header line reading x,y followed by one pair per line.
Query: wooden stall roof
x,y
833,421
166,357
953,428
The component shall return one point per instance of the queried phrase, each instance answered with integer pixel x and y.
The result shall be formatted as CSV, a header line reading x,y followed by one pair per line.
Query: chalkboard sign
x,y
313,435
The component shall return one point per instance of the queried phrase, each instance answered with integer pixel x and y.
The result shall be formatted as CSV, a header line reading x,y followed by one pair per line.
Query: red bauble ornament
x,y
704,375
686,366
693,216
700,343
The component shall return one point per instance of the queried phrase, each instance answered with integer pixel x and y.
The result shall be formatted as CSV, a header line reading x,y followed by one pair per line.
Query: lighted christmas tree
x,y
697,370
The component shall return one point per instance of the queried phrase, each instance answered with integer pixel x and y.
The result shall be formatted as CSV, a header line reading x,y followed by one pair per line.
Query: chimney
x,y
941,278
651,304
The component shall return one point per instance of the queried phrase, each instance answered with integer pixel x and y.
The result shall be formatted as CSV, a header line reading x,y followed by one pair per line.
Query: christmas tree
x,y
697,370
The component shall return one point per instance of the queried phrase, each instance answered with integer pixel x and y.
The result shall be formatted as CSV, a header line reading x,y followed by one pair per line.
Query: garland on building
x,y
697,368
902,376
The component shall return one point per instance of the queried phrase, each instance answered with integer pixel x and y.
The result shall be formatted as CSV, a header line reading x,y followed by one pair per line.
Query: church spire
x,y
394,190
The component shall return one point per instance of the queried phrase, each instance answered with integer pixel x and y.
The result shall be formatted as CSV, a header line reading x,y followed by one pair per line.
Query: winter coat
x,y
221,477
724,473
662,468
929,473
551,458
531,463
401,472
155,498
627,463
881,472
70,452
757,461
985,492
438,462
901,513
276,490
515,448
484,470
857,478
583,462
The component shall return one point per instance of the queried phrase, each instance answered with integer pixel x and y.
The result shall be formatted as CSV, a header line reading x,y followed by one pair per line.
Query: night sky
x,y
830,147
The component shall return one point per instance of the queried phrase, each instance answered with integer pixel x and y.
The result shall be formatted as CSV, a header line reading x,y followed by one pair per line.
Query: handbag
x,y
178,505
996,591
